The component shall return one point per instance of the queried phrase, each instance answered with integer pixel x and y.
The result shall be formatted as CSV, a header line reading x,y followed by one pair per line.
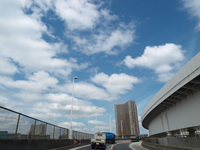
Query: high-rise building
x,y
39,129
126,119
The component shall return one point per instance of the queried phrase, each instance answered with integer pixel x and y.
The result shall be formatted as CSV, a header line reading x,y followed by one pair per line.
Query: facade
x,y
126,119
39,129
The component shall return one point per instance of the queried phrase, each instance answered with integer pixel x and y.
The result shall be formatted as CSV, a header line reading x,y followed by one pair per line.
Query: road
x,y
120,145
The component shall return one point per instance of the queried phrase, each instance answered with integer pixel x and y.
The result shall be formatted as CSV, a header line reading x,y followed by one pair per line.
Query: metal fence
x,y
14,125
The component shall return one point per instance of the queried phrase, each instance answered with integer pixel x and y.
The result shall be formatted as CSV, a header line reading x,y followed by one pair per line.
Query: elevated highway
x,y
175,108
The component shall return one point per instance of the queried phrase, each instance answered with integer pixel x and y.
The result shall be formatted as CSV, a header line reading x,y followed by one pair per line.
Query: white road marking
x,y
79,147
131,146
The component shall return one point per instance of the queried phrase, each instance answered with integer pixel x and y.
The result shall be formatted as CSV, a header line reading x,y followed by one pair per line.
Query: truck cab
x,y
99,140
135,138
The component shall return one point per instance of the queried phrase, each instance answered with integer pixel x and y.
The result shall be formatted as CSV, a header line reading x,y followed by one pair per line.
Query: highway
x,y
120,145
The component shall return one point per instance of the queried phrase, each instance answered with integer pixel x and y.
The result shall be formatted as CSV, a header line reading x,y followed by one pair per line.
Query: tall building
x,y
39,129
126,119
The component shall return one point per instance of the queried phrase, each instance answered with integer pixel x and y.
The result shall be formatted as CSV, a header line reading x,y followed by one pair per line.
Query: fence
x,y
14,125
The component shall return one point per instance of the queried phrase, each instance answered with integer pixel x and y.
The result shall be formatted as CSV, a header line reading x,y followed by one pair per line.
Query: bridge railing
x,y
14,125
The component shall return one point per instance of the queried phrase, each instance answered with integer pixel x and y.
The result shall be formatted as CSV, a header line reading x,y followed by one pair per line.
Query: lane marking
x,y
117,144
108,147
130,146
79,147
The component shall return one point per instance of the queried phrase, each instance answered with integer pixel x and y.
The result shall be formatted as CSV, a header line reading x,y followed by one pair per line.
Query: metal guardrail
x,y
15,125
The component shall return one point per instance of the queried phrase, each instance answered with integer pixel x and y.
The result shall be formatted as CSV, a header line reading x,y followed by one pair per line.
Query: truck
x,y
99,140
135,138
110,137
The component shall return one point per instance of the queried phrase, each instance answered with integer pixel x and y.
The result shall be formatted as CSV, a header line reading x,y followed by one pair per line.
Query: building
x,y
126,119
39,129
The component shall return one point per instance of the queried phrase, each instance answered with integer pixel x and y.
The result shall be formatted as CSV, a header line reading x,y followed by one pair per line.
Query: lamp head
x,y
75,77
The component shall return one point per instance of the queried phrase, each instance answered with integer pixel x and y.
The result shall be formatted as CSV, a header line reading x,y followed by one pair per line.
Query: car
x,y
99,140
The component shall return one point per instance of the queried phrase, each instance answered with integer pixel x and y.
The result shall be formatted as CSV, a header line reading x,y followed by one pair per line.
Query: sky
x,y
119,50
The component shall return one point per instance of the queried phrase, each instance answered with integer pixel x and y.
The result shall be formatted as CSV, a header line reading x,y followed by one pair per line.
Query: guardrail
x,y
14,125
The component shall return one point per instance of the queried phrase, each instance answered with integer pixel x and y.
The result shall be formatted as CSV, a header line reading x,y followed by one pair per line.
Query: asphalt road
x,y
120,145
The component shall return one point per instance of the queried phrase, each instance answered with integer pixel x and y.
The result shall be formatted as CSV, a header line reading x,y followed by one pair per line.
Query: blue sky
x,y
120,51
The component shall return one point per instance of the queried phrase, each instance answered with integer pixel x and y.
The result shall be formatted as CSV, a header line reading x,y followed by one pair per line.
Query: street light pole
x,y
110,124
72,108
96,119
122,129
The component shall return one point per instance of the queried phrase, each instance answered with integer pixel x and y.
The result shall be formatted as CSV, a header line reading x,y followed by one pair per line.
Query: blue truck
x,y
110,137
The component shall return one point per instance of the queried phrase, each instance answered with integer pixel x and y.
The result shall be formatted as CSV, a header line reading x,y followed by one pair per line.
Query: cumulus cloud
x,y
116,83
59,104
88,91
109,41
38,82
86,15
107,88
74,124
162,59
95,122
77,14
193,6
23,46
8,67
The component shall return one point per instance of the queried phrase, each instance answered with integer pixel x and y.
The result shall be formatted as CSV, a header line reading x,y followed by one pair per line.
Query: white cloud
x,y
22,43
116,83
102,128
38,82
107,88
59,105
84,16
109,41
96,122
193,7
88,91
45,5
8,68
107,15
77,14
74,124
162,59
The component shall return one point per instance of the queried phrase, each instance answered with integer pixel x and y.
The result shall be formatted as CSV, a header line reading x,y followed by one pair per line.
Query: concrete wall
x,y
6,144
183,114
172,143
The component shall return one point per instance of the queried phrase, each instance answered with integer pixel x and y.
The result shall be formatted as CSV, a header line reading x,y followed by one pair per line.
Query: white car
x,y
99,140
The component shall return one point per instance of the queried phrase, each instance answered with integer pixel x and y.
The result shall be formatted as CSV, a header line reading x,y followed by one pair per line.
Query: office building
x,y
126,119
39,129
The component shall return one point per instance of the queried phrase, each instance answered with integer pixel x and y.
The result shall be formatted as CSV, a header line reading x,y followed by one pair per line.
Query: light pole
x,y
122,129
72,108
110,124
96,119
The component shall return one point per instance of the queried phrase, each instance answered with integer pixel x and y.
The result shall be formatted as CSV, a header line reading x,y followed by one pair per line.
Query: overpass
x,y
175,109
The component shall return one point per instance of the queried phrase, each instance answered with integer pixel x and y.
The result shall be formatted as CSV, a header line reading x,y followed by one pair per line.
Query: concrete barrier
x,y
172,143
153,146
25,144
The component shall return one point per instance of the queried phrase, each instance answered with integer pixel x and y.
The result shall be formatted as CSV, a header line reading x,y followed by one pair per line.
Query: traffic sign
x,y
77,142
